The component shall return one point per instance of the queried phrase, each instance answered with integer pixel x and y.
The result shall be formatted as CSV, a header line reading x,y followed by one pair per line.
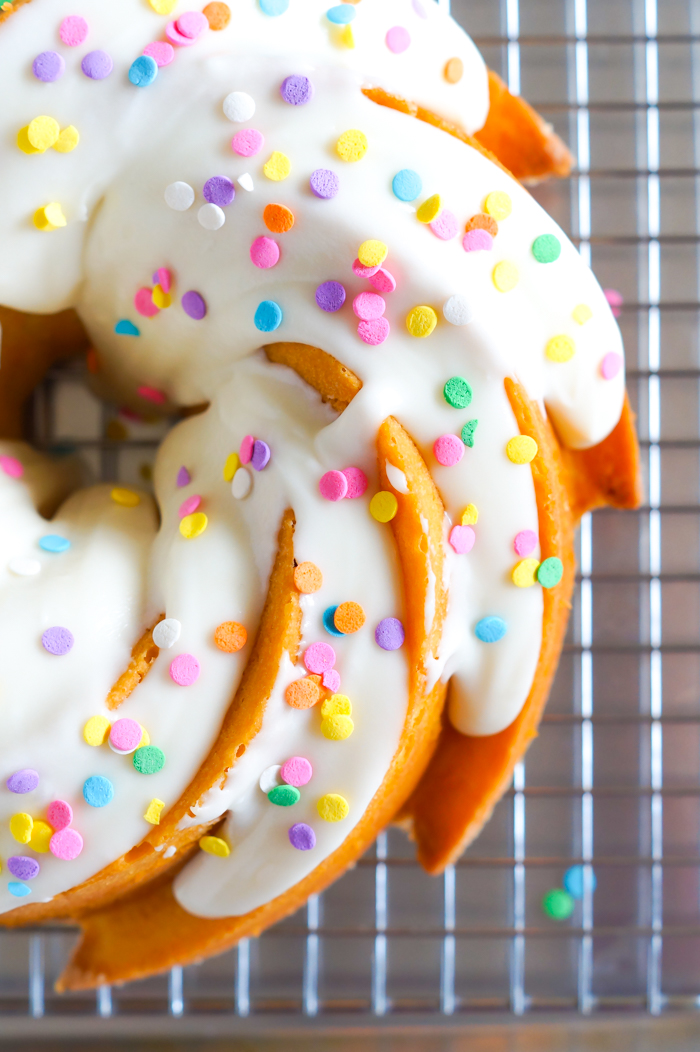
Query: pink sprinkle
x,y
192,24
184,670
331,680
189,505
73,30
615,299
143,301
66,844
12,467
246,450
151,394
382,281
368,306
176,37
445,226
525,543
398,39
373,332
610,365
448,450
264,252
248,142
462,539
59,814
357,482
477,240
361,271
319,657
333,485
296,771
125,736
162,52
165,279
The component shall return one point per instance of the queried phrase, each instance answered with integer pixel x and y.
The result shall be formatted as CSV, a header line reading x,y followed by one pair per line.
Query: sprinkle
x,y
525,542
23,867
98,791
192,24
60,814
430,209
419,9
166,633
97,65
421,321
15,888
264,252
239,107
284,795
462,539
23,142
248,142
522,449
331,680
152,394
57,640
333,485
161,51
482,221
341,15
382,280
143,302
550,572
230,636
214,845
524,575
268,316
372,253
352,145
12,467
183,477
261,455
368,306
505,276
615,299
448,450
560,349
149,759
557,904
349,618
445,226
246,449
73,30
51,217
219,190
163,7
24,781
357,482
360,271
301,836
398,39
307,578
277,167
218,15
318,657
96,731
337,728
457,392
125,497
43,132
467,433
233,462
143,71
330,296
383,506
582,313
66,844
610,365
338,705
575,881
296,771
407,185
189,505
278,218
546,248
211,217
270,778
154,811
21,827
125,736
333,808
176,37
192,526
454,70
194,305
53,543
477,240
23,567
184,670
329,621
242,484
48,66
297,90
41,836
498,205
303,693
373,333
490,629
324,183
389,634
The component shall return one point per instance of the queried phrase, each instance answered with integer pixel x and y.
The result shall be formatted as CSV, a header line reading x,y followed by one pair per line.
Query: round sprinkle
x,y
51,217
193,305
421,321
445,226
284,796
324,183
23,867
184,670
297,90
525,573
329,621
163,7
219,190
462,539
278,218
24,781
349,618
330,296
333,485
73,30
457,392
307,578
248,142
261,455
48,66
338,705
43,132
319,657
211,217
125,736
57,640
97,65
143,302
357,482
53,543
505,276
303,693
454,70
126,498
341,15
333,808
368,306
482,221
242,484
41,836
382,280
331,680
546,248
430,209
218,15
498,204
550,572
375,332
575,881
264,252
189,505
233,462
66,844
383,506
372,253
273,8
143,71
352,145
398,39
560,349
152,394
407,185
525,543
477,241
12,467
582,313
270,778
490,629
448,450
21,826
96,731
230,636
161,52
360,271
457,310
278,167
467,433
558,904
154,811
17,889
390,634
179,196
246,450
98,791
149,759
296,771
337,728
23,567
301,836
610,365
268,316
214,845
193,525
191,24
239,107
59,814
522,449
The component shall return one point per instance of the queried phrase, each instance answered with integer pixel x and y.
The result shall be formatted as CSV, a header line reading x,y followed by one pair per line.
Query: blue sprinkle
x,y
19,890
126,328
490,629
407,185
328,622
274,7
341,15
268,316
573,881
53,543
98,791
143,71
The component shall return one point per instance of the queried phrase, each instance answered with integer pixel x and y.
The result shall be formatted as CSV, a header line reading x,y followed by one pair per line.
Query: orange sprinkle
x,y
278,218
349,618
303,693
217,15
481,221
454,70
307,578
230,637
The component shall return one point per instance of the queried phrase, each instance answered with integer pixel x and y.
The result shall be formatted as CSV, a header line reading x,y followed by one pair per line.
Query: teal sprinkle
x,y
550,571
546,248
558,904
341,15
273,8
468,432
124,327
284,795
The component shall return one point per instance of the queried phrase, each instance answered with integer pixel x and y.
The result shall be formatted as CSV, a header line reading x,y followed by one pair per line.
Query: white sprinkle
x,y
396,478
166,633
458,310
245,181
270,778
24,567
169,851
211,217
239,107
179,196
242,484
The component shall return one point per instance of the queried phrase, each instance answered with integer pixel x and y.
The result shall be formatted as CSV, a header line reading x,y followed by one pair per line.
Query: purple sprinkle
x,y
261,455
24,781
97,65
302,837
219,190
57,640
324,183
389,634
48,66
183,477
330,296
297,91
194,305
23,867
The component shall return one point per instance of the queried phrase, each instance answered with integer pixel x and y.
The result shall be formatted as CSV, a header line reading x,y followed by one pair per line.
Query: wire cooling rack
x,y
612,784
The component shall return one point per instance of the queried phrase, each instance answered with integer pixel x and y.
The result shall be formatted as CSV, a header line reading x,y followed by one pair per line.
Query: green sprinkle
x,y
468,432
149,759
546,248
457,392
549,572
558,904
284,795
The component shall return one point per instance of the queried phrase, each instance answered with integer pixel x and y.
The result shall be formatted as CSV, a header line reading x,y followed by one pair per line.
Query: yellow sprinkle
x,y
214,845
24,143
43,132
67,140
421,321
383,506
498,205
470,515
333,808
163,7
192,525
429,209
278,167
21,827
336,705
96,730
154,811
521,449
50,217
372,253
337,728
145,737
560,349
160,298
582,313
233,462
505,276
347,37
525,573
126,497
41,834
352,145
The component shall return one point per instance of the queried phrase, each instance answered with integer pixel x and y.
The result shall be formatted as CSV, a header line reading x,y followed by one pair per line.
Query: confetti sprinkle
x,y
575,881
341,15
477,240
143,302
398,39
430,209
242,484
331,680
525,543
296,771
214,845
230,636
330,296
333,808
273,8
57,640
390,634
66,844
24,781
445,226
524,575
189,505
582,313
143,71
248,142
98,791
329,622
192,24
382,280
550,572
261,455
176,37
448,450
179,196
505,276
454,70
352,145
284,795
383,506
125,736
231,466
211,217
349,618
161,51
219,190
43,132
154,811
183,477
610,365
318,657
60,814
73,30
51,217
490,629
468,431
246,450
166,633
498,204
12,467
324,183
357,482
522,449
421,321
368,306
457,392
96,731
482,221
21,825
17,889
218,15
184,670
307,578
303,693
270,778
558,904
297,90
23,867
278,167
149,760
53,543
163,7
546,248
462,539
301,836
151,394
278,218
97,65
268,316
333,485
41,836
239,107
337,728
192,526
373,333
360,271
560,349
125,497
48,66
372,253
407,185
194,305
264,253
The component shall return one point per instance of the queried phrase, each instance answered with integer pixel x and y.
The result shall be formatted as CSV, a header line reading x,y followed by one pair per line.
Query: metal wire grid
x,y
613,782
